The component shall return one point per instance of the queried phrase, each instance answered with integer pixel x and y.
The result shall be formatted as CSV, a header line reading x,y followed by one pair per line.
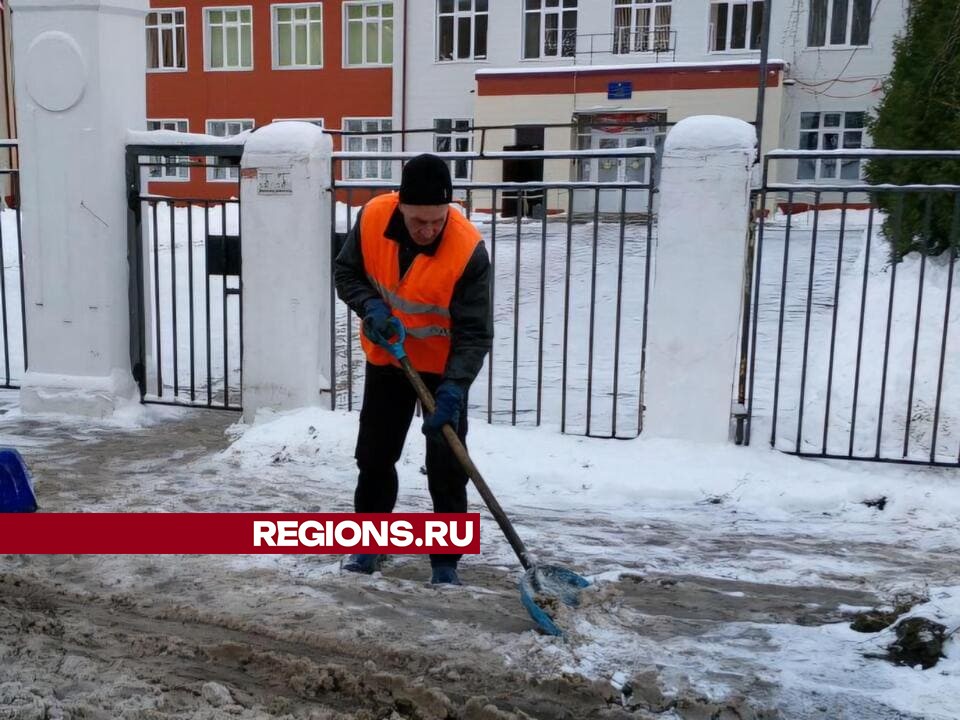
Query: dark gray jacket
x,y
471,318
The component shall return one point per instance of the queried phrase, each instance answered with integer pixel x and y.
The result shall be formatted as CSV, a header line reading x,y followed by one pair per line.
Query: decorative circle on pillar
x,y
56,71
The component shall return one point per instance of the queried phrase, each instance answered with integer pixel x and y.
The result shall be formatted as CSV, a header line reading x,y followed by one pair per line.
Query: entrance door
x,y
622,169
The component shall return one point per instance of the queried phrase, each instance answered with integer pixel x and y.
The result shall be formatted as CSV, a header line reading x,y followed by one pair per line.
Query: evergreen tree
x,y
920,110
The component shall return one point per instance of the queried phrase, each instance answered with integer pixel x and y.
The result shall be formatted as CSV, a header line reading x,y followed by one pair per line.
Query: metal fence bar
x,y
780,322
3,309
863,314
833,325
593,305
516,307
566,313
158,350
619,313
173,292
806,326
193,373
493,285
928,212
543,302
886,342
954,228
209,343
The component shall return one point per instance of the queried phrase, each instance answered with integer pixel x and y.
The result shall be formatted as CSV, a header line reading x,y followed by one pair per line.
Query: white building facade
x,y
618,73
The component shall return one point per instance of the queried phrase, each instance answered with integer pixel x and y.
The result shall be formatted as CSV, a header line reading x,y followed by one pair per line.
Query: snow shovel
x,y
543,588
16,492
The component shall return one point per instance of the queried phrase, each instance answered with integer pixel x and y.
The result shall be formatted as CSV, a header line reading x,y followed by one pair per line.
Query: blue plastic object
x,y
395,348
542,587
16,490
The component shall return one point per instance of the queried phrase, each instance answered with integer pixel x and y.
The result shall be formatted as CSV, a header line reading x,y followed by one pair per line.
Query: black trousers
x,y
388,405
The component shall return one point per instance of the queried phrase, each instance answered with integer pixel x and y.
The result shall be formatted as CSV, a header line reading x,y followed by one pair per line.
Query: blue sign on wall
x,y
622,90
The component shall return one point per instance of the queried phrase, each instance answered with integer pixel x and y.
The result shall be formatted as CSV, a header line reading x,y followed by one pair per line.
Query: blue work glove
x,y
449,399
378,324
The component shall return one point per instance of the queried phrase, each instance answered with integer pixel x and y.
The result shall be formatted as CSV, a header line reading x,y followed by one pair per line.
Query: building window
x,y
838,22
167,40
549,28
369,29
165,168
454,136
830,131
641,26
229,34
461,29
736,25
225,128
373,143
298,36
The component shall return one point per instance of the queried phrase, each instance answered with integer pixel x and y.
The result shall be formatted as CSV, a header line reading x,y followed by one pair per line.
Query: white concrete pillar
x,y
286,251
80,84
697,287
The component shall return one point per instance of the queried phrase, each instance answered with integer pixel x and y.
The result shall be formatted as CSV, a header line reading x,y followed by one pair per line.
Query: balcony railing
x,y
657,44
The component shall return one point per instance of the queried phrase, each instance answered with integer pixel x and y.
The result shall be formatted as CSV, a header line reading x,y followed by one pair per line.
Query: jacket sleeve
x,y
349,275
471,320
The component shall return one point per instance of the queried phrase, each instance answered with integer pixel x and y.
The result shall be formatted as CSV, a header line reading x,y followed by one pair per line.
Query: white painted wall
x,y
286,231
75,102
696,289
448,89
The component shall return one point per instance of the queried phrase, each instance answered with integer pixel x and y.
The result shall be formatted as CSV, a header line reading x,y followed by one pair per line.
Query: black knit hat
x,y
426,181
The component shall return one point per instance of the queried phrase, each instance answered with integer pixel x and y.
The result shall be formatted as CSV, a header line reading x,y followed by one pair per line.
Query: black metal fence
x,y
854,343
570,278
185,279
12,300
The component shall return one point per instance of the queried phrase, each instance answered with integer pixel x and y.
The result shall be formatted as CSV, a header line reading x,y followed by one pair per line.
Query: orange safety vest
x,y
421,298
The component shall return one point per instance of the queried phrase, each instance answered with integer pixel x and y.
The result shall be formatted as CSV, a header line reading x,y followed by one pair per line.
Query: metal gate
x,y
185,278
855,351
570,279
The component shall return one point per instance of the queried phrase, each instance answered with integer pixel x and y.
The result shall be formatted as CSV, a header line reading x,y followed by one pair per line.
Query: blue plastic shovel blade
x,y
16,491
544,587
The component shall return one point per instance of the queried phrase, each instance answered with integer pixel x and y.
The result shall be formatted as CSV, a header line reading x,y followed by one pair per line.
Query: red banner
x,y
239,533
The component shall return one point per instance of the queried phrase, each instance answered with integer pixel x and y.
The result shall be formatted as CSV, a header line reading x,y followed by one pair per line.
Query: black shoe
x,y
365,564
445,575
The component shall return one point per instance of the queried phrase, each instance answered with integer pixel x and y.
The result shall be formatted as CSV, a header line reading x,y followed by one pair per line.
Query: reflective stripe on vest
x,y
421,298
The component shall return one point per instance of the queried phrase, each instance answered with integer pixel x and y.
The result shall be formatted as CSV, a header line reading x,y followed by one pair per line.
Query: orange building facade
x,y
220,67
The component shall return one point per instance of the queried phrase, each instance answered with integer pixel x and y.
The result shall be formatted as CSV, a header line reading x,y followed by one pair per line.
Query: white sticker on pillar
x,y
274,181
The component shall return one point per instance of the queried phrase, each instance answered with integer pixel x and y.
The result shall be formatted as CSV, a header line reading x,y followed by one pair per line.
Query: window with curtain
x,y
838,22
298,36
229,38
375,139
369,33
462,29
641,26
166,40
549,28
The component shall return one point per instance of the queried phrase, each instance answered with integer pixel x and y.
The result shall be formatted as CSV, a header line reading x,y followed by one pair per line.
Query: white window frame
x,y
294,23
652,38
473,14
459,140
543,12
848,32
749,29
830,169
368,169
379,21
180,174
239,25
226,174
159,28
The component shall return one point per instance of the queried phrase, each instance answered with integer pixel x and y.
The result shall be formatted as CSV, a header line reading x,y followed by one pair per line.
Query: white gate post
x,y
696,292
80,85
286,251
